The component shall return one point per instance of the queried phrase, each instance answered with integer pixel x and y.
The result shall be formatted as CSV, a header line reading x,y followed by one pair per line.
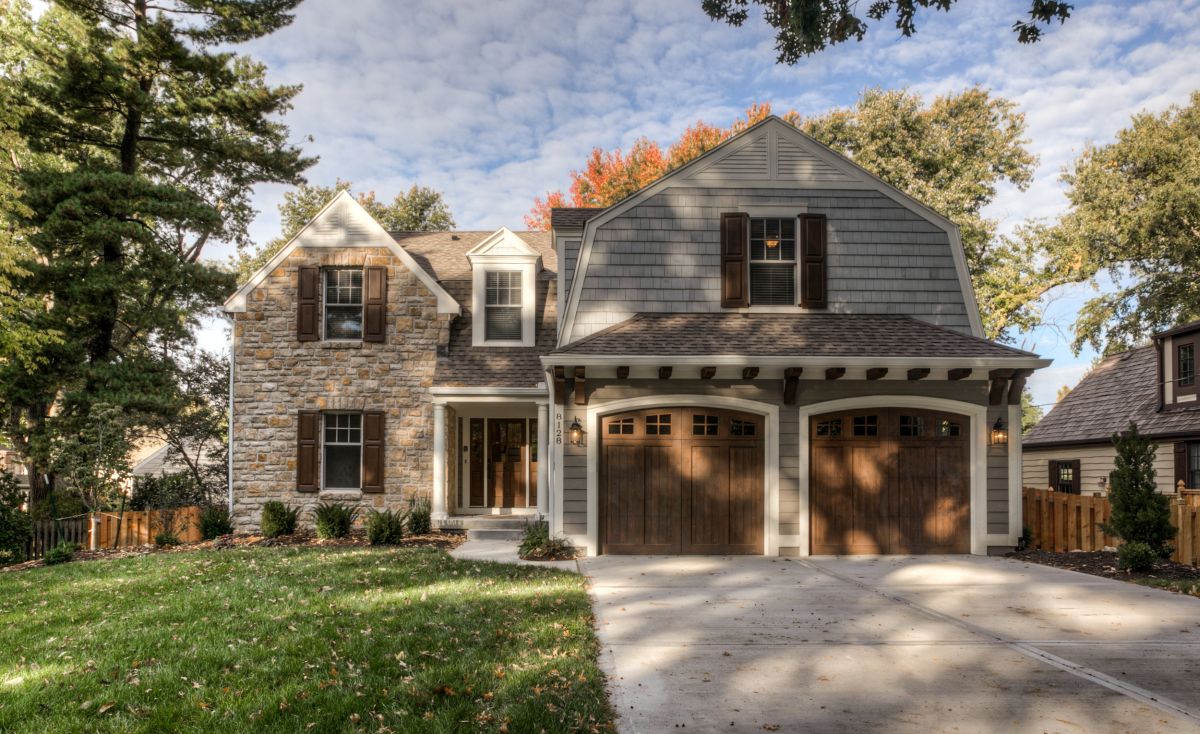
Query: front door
x,y
506,462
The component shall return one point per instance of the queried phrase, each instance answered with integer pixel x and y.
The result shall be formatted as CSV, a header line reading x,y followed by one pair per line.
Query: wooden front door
x,y
682,481
890,480
506,462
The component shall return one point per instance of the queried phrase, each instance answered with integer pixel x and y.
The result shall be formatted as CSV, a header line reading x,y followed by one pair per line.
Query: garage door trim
x,y
977,462
768,411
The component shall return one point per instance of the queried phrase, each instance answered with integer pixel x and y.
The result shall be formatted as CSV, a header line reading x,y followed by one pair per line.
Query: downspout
x,y
229,426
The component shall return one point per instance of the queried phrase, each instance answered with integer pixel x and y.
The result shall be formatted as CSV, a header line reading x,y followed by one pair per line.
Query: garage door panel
x,y
832,507
664,485
626,488
745,497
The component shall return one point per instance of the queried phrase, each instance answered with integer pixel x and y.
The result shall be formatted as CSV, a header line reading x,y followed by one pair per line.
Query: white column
x,y
439,462
544,459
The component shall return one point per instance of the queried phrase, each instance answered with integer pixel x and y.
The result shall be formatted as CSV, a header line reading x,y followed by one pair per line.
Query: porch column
x,y
439,463
544,454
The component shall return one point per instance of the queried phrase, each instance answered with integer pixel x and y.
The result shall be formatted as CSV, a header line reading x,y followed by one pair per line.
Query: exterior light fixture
x,y
999,433
576,433
772,244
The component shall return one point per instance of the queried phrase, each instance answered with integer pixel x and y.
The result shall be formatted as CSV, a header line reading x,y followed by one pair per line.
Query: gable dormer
x,y
1178,350
504,291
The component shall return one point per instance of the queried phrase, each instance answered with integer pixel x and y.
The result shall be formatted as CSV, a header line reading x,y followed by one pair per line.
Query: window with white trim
x,y
773,261
342,446
502,307
343,303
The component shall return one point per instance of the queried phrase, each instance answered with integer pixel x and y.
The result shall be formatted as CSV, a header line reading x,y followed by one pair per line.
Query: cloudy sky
x,y
494,103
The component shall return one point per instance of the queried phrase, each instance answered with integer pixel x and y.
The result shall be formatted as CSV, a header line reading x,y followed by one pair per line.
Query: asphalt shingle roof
x,y
562,217
444,254
786,335
1120,389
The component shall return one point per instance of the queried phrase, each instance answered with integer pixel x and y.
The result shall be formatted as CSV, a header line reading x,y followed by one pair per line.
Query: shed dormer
x,y
1179,348
504,291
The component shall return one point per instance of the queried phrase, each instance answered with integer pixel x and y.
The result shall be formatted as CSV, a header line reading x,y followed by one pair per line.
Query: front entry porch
x,y
486,456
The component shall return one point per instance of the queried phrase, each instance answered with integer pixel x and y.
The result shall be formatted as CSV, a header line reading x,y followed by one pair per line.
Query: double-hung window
x,y
773,261
343,450
1185,358
502,307
343,303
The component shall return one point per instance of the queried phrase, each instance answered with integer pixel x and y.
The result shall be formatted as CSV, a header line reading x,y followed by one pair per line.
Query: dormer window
x,y
504,285
1185,357
502,309
343,303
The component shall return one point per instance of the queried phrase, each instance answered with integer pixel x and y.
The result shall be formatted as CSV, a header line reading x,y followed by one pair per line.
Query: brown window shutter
x,y
735,281
308,323
372,451
813,278
307,462
1076,476
1053,466
375,305
1181,467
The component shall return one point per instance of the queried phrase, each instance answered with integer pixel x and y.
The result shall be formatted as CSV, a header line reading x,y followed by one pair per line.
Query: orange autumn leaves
x,y
609,176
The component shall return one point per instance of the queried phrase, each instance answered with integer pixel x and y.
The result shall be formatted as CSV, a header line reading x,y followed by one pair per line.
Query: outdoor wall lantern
x,y
576,433
999,433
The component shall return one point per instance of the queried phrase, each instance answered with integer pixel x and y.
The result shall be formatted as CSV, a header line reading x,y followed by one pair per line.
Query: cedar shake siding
x,y
277,376
665,256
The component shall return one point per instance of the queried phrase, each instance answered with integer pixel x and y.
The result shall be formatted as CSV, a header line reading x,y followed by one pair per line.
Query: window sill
x,y
341,344
340,494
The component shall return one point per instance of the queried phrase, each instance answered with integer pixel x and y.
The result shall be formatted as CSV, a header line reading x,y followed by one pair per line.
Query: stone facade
x,y
276,376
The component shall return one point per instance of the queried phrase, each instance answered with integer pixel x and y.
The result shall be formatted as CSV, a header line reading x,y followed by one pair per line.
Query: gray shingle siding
x,y
663,256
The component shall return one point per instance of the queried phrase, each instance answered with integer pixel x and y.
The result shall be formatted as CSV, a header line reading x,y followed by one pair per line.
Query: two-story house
x,y
1154,386
768,351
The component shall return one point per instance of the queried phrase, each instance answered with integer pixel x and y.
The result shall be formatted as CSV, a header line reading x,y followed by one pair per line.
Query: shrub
x,y
538,544
1137,556
278,519
334,519
60,553
214,521
15,524
385,527
420,521
1140,514
166,539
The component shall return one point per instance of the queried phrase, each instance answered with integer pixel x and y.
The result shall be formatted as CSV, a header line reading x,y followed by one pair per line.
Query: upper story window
x,y
502,307
1185,358
343,303
772,262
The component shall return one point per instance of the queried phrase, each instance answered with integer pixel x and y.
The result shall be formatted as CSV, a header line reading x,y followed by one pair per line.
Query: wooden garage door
x,y
681,480
890,480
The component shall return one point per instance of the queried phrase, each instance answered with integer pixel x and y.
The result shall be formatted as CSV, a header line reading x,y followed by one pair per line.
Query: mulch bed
x,y
442,541
1104,563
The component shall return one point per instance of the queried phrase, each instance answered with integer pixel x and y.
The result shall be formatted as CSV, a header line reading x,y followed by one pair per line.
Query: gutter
x,y
730,360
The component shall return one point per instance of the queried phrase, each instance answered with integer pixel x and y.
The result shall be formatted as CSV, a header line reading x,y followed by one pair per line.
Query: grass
x,y
1181,586
297,640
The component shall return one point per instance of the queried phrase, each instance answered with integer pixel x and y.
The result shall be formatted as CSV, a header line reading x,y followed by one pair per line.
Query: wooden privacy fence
x,y
140,527
1063,522
49,533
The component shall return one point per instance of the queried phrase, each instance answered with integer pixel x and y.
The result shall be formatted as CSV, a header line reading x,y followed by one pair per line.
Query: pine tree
x,y
146,135
1140,514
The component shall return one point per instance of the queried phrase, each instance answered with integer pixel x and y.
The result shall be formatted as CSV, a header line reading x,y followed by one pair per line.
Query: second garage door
x,y
890,481
681,481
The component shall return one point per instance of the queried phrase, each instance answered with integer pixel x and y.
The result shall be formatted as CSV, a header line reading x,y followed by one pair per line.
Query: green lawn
x,y
295,640
1182,586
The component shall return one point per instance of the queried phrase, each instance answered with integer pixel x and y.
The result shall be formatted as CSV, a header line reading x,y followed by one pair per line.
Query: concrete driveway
x,y
929,644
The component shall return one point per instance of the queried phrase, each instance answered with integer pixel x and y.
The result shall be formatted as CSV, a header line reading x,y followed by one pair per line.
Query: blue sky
x,y
494,103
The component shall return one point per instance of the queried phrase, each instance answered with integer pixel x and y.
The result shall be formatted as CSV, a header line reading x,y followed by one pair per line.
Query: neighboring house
x,y
156,461
12,462
1155,386
768,351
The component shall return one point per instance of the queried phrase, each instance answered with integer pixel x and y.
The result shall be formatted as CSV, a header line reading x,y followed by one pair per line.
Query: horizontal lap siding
x,y
997,478
1095,463
663,257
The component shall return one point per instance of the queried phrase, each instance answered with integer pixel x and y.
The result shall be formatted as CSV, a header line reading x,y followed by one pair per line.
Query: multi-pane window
x,y
705,425
343,450
620,427
830,428
949,429
343,303
741,428
866,425
1193,473
503,306
912,426
658,425
1187,364
773,262
1067,476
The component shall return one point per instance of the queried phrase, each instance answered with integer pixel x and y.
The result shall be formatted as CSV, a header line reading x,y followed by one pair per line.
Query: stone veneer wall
x,y
275,376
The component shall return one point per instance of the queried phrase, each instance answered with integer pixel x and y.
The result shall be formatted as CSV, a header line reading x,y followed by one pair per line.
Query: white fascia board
x,y
522,392
445,302
719,360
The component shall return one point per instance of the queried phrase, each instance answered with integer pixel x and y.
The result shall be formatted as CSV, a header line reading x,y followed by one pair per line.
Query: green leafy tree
x,y
147,134
195,429
1140,514
420,209
1134,213
1030,412
804,27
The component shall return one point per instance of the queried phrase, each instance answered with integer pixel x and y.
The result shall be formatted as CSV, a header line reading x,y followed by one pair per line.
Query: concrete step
x,y
491,522
495,533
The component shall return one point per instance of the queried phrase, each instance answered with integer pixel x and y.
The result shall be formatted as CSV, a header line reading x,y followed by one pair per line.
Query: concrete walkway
x,y
504,551
928,644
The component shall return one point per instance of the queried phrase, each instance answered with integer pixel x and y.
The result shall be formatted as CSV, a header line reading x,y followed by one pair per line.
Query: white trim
x,y
1016,475
438,503
860,179
769,411
543,464
237,303
503,251
717,360
230,426
978,442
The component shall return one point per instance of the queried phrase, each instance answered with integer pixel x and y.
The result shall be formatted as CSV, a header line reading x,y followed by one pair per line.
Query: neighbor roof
x,y
444,254
787,335
572,217
1120,389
